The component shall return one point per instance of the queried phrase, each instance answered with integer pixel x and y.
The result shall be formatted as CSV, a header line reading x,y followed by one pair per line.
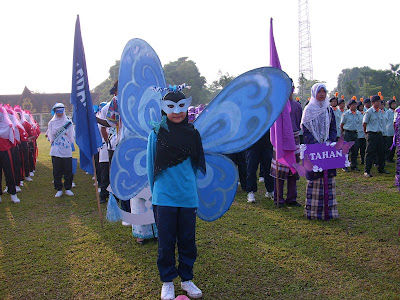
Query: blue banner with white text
x,y
87,135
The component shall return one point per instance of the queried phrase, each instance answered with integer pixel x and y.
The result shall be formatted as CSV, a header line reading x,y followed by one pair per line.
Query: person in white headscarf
x,y
319,126
15,151
32,141
7,142
60,133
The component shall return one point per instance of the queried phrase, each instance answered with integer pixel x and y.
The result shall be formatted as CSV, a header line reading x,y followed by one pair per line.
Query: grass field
x,y
55,248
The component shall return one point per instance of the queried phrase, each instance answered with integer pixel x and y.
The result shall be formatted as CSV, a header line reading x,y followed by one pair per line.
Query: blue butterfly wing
x,y
128,174
140,69
244,110
217,188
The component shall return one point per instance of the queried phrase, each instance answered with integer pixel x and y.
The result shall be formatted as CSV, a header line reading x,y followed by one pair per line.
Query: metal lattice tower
x,y
305,53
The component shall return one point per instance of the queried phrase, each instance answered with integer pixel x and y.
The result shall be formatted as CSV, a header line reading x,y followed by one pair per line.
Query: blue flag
x,y
87,135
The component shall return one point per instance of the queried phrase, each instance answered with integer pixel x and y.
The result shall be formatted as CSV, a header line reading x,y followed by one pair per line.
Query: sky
x,y
231,36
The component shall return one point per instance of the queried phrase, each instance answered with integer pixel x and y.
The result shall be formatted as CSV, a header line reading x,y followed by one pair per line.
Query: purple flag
x,y
282,137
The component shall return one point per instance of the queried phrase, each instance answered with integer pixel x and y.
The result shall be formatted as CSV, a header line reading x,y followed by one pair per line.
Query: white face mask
x,y
170,107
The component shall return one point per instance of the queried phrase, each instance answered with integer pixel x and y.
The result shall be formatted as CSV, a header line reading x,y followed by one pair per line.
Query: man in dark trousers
x,y
373,128
349,124
259,153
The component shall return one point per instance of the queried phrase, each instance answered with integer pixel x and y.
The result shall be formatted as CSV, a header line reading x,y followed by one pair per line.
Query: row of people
x,y
18,148
371,129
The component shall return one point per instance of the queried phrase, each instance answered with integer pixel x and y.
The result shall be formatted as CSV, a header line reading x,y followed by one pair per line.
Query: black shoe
x,y
390,161
366,174
355,169
103,201
294,203
345,169
384,172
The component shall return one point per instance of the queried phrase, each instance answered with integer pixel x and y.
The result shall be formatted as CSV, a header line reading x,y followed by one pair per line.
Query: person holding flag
x,y
283,141
282,172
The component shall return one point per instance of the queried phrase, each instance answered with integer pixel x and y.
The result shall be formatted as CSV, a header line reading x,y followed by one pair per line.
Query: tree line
x,y
177,72
359,82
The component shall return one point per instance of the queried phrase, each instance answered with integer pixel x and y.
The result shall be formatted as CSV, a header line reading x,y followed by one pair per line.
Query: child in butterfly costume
x,y
174,154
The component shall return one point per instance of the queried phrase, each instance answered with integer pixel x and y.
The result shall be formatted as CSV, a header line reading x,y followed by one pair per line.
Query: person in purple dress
x,y
282,172
319,126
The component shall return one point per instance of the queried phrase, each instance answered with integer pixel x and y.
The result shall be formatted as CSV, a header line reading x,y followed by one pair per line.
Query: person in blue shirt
x,y
174,155
373,129
389,131
349,126
360,131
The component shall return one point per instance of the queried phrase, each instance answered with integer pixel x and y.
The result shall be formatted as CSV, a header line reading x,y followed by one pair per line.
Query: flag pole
x,y
277,183
97,193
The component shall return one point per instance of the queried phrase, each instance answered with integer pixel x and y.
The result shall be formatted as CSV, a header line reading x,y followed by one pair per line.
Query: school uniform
x,y
15,149
61,150
7,142
111,113
389,134
351,121
338,116
26,147
361,139
374,137
259,153
104,162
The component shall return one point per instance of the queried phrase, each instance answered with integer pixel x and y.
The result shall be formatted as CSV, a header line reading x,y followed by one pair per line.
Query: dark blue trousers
x,y
239,159
255,155
125,204
176,225
62,166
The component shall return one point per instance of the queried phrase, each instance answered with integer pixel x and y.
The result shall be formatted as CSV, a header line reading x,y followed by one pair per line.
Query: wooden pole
x,y
277,182
97,192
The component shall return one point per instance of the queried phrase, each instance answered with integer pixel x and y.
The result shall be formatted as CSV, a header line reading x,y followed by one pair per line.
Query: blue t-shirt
x,y
175,186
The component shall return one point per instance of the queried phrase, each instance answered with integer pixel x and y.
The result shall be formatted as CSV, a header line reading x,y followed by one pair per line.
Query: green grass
x,y
56,249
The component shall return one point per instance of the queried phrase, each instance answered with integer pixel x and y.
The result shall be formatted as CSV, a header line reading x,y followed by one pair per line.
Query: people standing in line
x,y
60,133
116,130
32,141
174,155
23,137
15,152
7,142
389,131
342,109
104,161
367,103
373,129
360,132
349,125
396,125
259,153
283,173
25,142
319,126
336,111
